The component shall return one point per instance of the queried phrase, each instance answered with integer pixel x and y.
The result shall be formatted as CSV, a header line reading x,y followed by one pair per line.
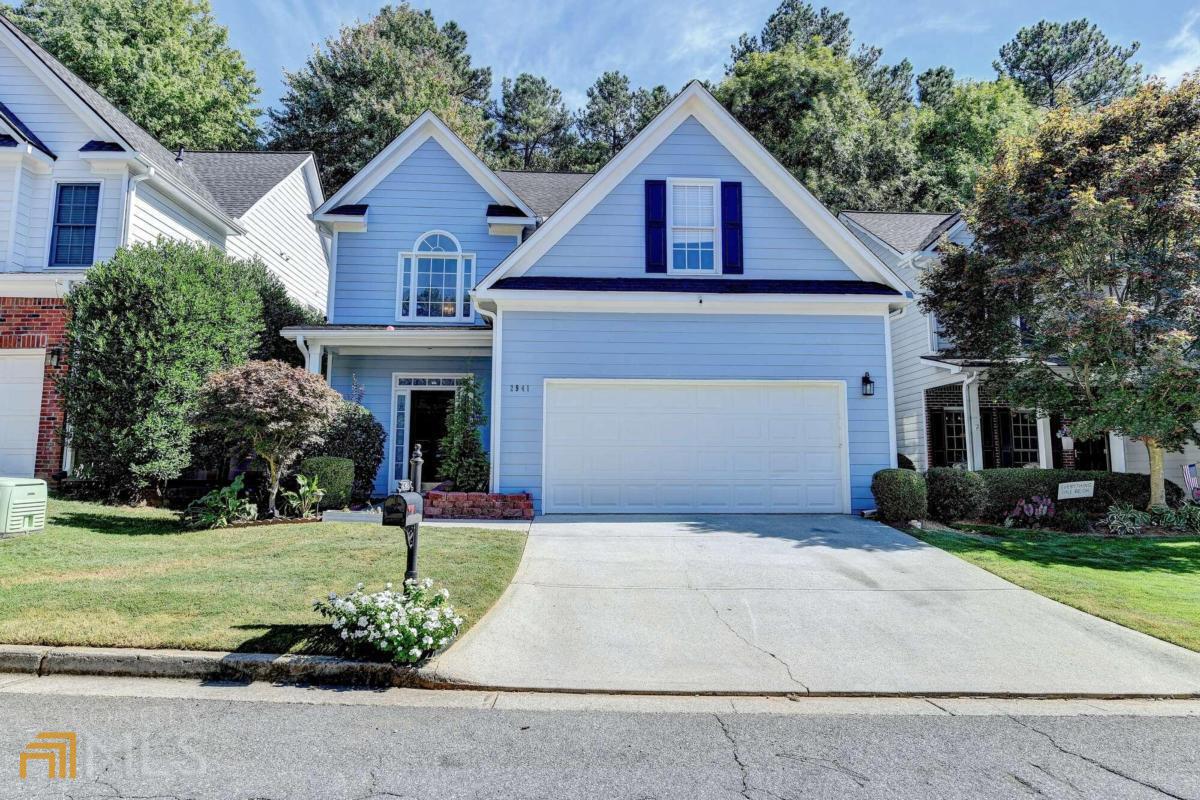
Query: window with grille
x,y
1024,438
693,219
73,240
435,280
956,437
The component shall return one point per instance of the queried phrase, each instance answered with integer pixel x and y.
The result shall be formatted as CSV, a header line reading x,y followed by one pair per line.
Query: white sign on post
x,y
1076,489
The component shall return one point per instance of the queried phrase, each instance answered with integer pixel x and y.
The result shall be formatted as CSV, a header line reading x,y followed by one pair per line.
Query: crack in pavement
x,y
749,643
737,757
1058,778
1096,763
829,764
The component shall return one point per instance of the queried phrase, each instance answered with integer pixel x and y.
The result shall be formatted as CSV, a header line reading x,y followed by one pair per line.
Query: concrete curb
x,y
204,665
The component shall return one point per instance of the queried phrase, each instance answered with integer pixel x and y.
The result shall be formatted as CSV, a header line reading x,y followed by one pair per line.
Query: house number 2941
x,y
518,387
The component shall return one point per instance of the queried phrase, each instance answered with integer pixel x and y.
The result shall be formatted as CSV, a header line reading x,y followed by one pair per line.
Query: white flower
x,y
427,641
416,651
358,587
445,593
457,621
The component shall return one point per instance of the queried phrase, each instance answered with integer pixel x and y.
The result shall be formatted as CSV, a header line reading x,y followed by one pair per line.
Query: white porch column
x,y
973,426
1116,452
1045,448
313,360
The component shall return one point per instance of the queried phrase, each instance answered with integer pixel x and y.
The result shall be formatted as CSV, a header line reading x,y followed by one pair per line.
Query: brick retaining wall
x,y
478,505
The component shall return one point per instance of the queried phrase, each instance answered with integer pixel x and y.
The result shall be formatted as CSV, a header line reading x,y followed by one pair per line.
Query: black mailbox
x,y
403,509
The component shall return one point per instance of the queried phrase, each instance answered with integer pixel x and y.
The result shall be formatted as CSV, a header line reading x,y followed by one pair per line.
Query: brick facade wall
x,y
478,505
40,323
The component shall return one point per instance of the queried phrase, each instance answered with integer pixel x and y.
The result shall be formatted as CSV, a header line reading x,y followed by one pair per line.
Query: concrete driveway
x,y
788,604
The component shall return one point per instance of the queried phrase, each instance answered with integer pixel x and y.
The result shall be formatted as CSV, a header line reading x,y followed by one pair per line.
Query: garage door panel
x,y
646,446
20,412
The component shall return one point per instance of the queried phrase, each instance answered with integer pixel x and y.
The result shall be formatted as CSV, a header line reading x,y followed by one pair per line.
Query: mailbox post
x,y
405,509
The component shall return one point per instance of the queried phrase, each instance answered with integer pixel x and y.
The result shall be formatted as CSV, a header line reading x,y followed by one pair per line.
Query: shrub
x,y
1186,518
1036,512
221,507
1004,487
270,409
355,434
899,495
904,462
279,311
145,330
407,626
463,460
307,496
954,494
335,476
1072,521
1123,519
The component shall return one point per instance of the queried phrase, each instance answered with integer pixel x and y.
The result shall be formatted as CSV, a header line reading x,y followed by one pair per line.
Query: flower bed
x,y
478,505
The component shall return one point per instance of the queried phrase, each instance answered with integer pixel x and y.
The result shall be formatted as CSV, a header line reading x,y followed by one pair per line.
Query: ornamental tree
x,y
270,409
1083,284
463,460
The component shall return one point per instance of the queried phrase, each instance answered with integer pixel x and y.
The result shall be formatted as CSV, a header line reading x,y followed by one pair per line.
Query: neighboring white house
x,y
945,413
79,179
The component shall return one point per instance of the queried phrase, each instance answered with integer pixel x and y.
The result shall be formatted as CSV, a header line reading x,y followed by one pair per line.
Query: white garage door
x,y
685,446
20,409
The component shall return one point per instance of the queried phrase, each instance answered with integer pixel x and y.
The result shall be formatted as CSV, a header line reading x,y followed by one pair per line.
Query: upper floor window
x,y
693,220
73,239
436,279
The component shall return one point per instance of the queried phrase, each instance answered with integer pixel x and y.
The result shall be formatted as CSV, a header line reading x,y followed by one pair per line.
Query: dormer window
x,y
694,225
435,280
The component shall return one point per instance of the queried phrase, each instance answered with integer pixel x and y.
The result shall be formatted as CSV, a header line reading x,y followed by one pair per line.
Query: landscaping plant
x,y
1036,513
145,330
954,494
463,460
354,434
407,626
307,496
1004,487
900,495
1125,520
270,409
1072,521
1087,232
221,507
336,476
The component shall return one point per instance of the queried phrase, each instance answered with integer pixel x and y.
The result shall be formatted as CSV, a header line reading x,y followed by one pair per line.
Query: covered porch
x,y
406,377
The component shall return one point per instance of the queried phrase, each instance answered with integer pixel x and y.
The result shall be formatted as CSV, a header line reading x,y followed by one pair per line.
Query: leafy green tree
x,y
270,409
279,311
1087,232
935,86
614,114
1073,62
796,22
145,330
808,107
165,63
367,84
354,434
463,460
535,129
958,138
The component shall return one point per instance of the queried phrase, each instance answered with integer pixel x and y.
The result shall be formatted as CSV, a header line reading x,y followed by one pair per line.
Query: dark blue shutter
x,y
656,226
731,227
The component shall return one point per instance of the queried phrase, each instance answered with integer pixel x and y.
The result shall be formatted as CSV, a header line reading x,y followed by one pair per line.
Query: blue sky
x,y
670,42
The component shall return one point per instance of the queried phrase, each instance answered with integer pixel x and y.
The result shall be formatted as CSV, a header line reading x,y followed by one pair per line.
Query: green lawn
x,y
1148,584
128,577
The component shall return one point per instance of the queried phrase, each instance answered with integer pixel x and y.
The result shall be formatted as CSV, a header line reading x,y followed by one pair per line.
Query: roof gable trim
x,y
425,127
696,101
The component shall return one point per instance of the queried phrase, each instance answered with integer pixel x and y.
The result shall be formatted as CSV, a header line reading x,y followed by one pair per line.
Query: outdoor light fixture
x,y
53,356
868,385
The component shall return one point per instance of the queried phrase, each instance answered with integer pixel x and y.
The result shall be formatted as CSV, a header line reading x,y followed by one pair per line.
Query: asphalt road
x,y
191,747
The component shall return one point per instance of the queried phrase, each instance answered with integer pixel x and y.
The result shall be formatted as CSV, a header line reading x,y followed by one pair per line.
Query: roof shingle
x,y
904,231
544,192
239,180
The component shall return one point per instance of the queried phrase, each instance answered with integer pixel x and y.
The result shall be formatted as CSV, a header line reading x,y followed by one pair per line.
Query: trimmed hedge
x,y
334,475
1005,487
899,495
954,494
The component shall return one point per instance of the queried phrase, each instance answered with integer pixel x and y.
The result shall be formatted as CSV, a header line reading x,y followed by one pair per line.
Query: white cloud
x,y
957,23
1184,48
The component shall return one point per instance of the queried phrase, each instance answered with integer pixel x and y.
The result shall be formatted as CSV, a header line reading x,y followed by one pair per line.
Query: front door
x,y
429,409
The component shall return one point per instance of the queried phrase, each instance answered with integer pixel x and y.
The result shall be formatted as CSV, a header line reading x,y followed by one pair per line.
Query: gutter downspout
x,y
303,348
971,417
130,191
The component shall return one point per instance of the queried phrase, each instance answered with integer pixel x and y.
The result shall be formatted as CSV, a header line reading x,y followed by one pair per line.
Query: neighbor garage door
x,y
21,390
704,446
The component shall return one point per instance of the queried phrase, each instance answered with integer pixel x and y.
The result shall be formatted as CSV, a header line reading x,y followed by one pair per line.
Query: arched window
x,y
435,279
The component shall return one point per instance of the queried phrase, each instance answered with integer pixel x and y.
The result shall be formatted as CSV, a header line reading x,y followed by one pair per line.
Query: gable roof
x,y
425,127
239,180
13,123
903,231
697,102
544,192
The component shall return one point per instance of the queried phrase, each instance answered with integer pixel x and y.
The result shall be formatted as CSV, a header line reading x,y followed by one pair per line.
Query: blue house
x,y
687,330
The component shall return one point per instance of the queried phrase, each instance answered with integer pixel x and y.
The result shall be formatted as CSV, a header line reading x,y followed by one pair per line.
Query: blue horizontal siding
x,y
609,241
374,374
540,345
428,191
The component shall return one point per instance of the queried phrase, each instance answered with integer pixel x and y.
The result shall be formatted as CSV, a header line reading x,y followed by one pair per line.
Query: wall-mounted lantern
x,y
54,356
868,385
